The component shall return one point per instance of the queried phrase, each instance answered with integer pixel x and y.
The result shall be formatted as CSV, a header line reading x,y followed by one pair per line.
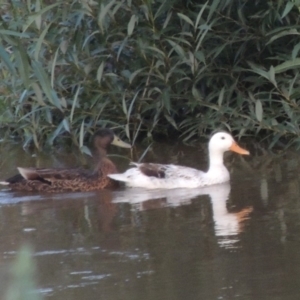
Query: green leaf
x,y
177,48
258,110
291,85
196,93
40,41
124,42
166,99
200,14
38,93
155,49
135,73
74,103
103,13
38,20
144,153
100,72
171,120
124,105
287,9
63,46
14,33
136,133
287,65
167,20
81,134
200,56
59,130
66,125
221,96
201,36
283,33
6,59
127,131
36,16
185,18
295,51
213,8
131,106
22,63
53,68
259,71
272,76
46,84
131,24
84,149
144,8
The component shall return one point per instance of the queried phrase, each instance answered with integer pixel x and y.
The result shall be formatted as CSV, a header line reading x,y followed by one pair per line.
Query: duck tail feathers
x,y
4,183
118,177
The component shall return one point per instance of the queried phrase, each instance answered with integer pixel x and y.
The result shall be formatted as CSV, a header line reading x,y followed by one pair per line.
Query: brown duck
x,y
59,179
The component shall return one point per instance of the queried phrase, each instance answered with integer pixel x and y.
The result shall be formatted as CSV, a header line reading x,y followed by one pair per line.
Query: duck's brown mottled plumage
x,y
55,180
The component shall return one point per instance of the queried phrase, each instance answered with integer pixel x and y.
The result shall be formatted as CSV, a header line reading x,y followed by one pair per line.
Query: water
x,y
232,241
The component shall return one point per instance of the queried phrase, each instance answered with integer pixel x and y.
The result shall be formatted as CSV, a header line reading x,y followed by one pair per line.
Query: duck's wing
x,y
167,171
48,175
152,170
55,180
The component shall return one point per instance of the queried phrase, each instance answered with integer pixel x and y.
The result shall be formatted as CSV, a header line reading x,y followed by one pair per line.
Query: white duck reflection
x,y
227,225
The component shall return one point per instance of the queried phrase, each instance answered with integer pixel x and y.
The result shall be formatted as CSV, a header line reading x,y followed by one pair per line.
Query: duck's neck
x,y
99,153
103,165
217,172
215,160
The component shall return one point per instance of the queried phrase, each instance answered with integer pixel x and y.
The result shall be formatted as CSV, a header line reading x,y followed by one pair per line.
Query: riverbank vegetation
x,y
173,68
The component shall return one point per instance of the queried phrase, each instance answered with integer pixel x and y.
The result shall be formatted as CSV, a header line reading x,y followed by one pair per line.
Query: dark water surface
x,y
233,241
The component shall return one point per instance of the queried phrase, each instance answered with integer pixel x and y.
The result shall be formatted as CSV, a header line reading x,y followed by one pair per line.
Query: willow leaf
x,y
40,41
33,17
46,84
287,65
74,104
289,6
103,13
6,59
259,71
131,25
185,18
213,8
221,96
282,34
39,94
22,63
295,51
258,110
14,33
200,14
100,72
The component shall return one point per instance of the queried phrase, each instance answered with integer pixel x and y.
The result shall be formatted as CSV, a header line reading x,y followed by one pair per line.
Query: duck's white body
x,y
175,177
158,176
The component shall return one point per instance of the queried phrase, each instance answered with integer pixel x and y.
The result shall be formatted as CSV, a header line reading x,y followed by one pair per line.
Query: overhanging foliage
x,y
149,66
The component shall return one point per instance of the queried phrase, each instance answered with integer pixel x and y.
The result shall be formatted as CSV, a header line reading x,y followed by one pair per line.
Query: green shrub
x,y
149,67
22,285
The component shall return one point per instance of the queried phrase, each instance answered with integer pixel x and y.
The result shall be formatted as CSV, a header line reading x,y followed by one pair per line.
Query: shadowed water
x,y
231,241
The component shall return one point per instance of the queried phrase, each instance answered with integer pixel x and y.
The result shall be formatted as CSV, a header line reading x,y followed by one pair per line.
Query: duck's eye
x,y
222,137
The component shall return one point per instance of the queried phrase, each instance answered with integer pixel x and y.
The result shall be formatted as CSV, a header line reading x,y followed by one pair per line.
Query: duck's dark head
x,y
104,137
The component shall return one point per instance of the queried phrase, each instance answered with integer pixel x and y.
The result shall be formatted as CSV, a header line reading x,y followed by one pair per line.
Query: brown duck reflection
x,y
82,211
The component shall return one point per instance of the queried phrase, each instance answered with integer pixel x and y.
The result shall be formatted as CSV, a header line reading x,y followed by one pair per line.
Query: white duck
x,y
158,176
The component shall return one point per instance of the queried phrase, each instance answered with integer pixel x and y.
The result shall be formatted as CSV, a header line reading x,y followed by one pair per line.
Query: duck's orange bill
x,y
236,148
